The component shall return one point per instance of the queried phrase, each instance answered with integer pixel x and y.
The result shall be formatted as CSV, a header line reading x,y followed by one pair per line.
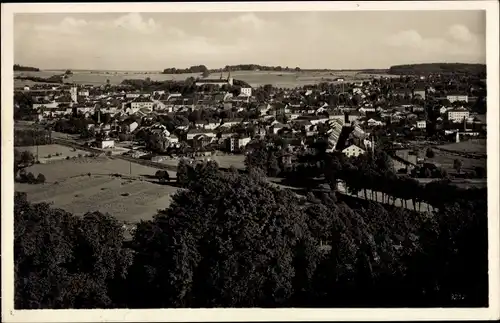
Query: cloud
x,y
407,38
135,22
461,33
452,43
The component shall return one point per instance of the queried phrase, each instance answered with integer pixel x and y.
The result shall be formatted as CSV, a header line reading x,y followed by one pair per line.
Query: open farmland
x,y
474,146
127,198
445,160
254,78
44,151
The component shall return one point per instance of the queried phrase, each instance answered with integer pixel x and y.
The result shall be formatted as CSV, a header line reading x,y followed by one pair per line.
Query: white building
x,y
421,124
108,143
237,143
247,91
457,98
141,103
74,94
353,151
458,115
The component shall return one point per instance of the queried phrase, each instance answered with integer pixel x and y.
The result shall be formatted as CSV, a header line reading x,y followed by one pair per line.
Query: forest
x,y
439,68
21,68
232,239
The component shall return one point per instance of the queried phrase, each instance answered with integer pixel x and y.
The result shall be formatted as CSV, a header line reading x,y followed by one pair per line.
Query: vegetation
x,y
59,79
162,176
439,68
31,137
232,240
192,69
21,68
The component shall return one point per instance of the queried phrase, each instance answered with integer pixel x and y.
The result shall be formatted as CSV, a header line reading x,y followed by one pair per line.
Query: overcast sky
x,y
153,41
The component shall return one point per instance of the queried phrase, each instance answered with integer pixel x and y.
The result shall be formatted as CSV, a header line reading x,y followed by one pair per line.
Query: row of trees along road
x,y
233,240
367,173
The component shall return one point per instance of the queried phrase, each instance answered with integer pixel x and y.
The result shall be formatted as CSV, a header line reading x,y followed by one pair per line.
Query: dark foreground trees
x,y
63,261
231,240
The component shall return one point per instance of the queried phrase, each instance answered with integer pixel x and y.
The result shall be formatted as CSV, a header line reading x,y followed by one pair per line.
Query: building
x,y
74,94
353,151
457,98
421,124
246,91
219,82
201,140
142,102
236,143
419,93
458,115
106,143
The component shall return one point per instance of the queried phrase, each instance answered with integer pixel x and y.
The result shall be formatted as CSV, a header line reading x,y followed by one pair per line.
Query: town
x,y
405,143
412,117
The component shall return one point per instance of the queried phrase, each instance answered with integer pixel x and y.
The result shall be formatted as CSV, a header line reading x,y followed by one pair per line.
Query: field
x,y
127,198
45,150
477,146
254,78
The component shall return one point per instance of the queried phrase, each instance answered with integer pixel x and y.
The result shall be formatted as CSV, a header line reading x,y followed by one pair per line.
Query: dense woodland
x,y
234,240
439,68
21,68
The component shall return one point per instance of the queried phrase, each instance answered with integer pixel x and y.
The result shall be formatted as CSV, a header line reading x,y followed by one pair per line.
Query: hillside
x,y
441,68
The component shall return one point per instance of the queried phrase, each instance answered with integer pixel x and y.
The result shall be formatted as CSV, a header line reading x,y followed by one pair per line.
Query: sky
x,y
334,40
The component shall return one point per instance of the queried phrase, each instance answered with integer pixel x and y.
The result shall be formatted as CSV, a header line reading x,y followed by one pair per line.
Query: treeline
x,y
18,67
366,173
234,240
254,67
51,79
439,68
187,87
192,69
32,137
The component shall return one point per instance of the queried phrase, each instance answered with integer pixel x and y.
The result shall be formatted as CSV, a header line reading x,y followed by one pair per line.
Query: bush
x,y
67,157
109,153
49,156
80,155
429,153
41,178
30,178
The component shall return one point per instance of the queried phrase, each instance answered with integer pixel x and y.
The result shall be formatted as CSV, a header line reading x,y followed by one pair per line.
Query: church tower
x,y
229,78
74,94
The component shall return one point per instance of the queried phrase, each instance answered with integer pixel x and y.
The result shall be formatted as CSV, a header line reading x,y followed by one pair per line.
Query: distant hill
x,y
438,68
20,68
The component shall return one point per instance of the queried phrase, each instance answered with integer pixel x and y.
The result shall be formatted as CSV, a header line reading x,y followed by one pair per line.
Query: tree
x,y
62,261
162,176
224,242
40,178
183,173
457,165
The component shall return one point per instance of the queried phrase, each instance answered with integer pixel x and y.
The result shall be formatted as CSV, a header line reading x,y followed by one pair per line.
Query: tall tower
x,y
74,94
229,78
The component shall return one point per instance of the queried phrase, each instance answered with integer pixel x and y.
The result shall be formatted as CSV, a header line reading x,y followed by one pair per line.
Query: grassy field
x,y
69,188
45,150
477,146
254,78
446,160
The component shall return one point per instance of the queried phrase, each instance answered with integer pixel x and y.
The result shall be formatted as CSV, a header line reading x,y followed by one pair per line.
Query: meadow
x,y
133,196
254,78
